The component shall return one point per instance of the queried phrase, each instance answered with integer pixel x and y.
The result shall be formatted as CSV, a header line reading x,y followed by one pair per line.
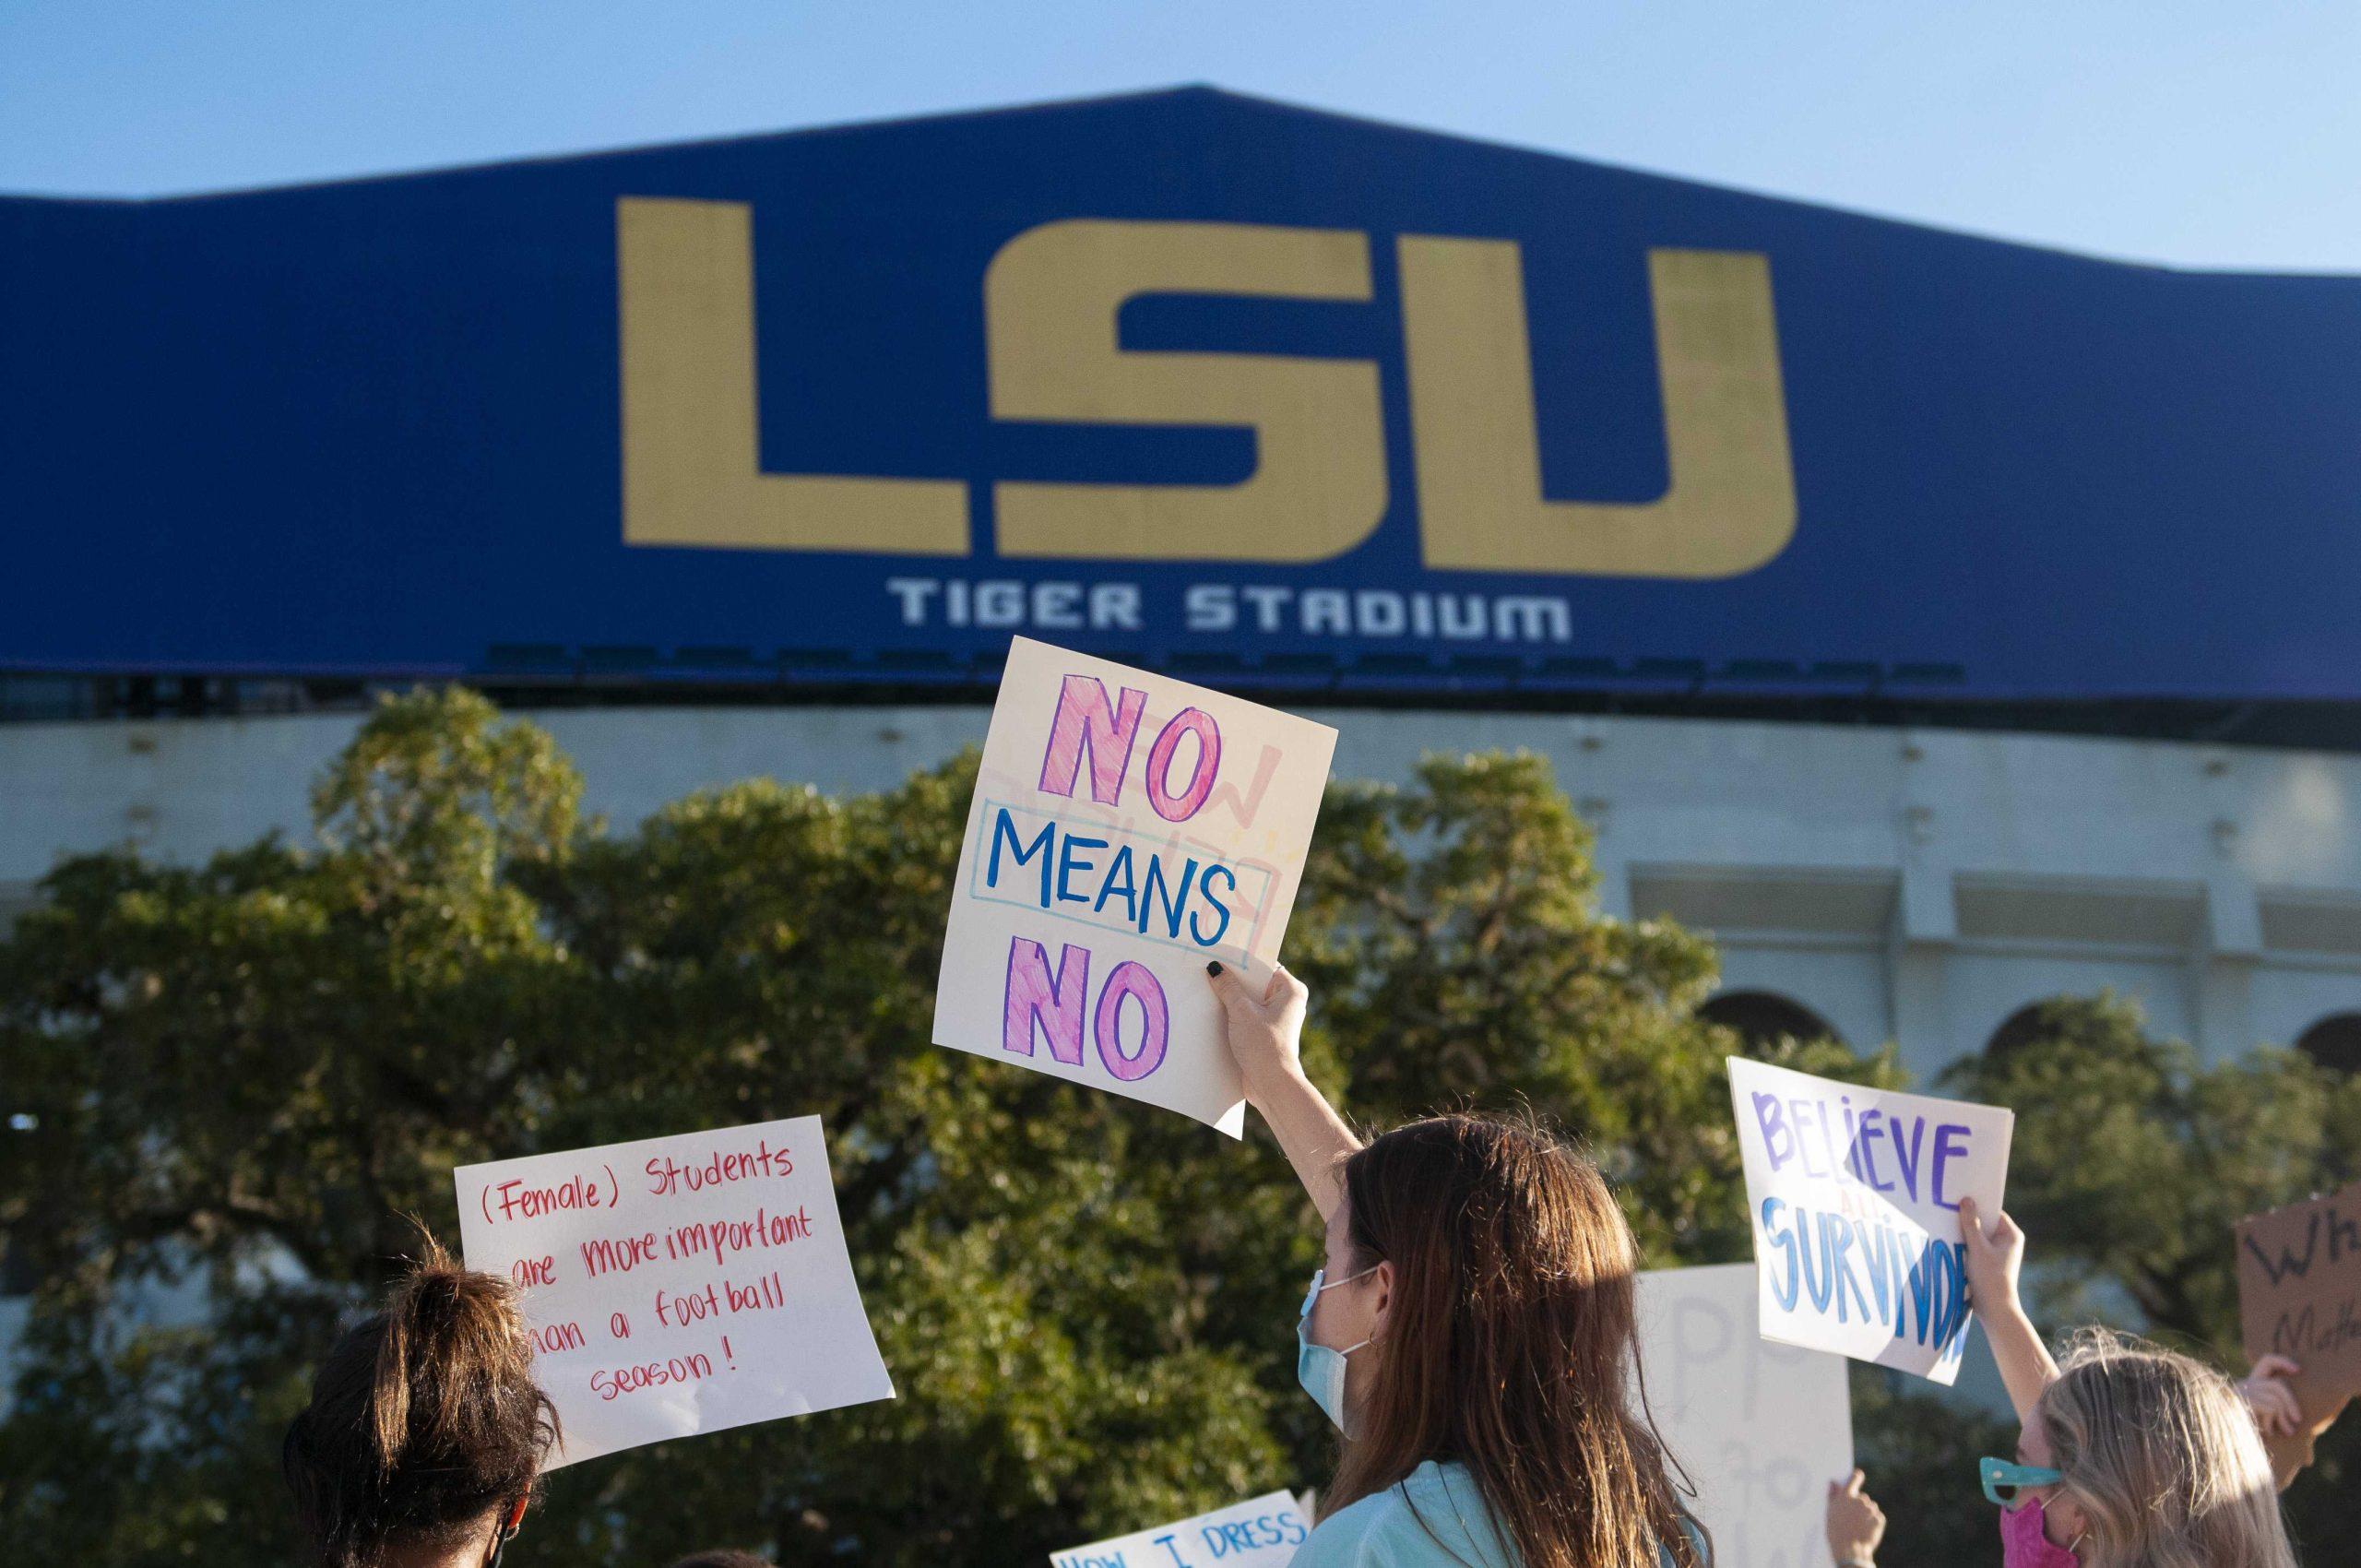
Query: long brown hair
x,y
1509,1341
424,1419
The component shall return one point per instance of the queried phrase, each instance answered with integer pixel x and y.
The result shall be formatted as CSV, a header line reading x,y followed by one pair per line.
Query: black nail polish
x,y
1213,967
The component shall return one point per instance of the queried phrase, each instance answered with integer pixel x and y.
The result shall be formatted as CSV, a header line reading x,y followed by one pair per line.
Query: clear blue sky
x,y
2204,134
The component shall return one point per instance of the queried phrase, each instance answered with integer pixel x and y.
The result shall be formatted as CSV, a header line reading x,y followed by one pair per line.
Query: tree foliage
x,y
239,1080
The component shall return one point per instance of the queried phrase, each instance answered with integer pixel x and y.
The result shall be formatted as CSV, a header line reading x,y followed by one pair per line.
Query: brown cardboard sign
x,y
2299,1296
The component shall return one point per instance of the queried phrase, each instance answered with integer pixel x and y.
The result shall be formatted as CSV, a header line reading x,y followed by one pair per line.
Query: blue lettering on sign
x,y
1263,1531
1852,1269
1833,1143
1147,885
1004,829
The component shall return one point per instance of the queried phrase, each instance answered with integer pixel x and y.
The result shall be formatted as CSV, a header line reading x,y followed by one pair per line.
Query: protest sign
x,y
1760,1428
1263,1533
2299,1296
1127,828
678,1285
1854,1198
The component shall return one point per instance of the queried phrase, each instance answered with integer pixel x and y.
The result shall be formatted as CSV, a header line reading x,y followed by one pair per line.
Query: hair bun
x,y
453,1339
423,1418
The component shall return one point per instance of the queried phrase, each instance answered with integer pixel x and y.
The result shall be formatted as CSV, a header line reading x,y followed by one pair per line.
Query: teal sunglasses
x,y
2005,1482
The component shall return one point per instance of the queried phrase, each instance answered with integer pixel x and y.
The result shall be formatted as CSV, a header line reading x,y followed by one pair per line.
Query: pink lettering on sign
x,y
1243,808
1035,996
1052,1003
1130,982
692,1368
522,1200
1192,799
720,1168
1085,722
558,1338
617,1254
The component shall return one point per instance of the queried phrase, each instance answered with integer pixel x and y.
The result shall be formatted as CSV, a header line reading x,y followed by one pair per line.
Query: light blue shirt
x,y
1434,1517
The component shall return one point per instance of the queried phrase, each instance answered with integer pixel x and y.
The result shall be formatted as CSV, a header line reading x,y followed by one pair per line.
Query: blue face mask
x,y
1320,1369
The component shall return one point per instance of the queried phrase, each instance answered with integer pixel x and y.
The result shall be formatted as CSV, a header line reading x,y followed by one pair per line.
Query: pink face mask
x,y
2024,1545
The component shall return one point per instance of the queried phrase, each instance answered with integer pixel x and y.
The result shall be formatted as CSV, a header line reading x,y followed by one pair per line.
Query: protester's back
x,y
425,1429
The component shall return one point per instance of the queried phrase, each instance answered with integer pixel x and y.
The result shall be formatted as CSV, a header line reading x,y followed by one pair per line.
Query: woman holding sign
x,y
1469,1334
425,1429
2128,1454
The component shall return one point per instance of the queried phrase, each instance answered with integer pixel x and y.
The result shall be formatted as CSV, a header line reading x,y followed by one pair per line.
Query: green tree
x,y
244,1076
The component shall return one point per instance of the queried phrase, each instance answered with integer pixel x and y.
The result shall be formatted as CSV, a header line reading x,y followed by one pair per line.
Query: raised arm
x,y
1264,1034
1993,1259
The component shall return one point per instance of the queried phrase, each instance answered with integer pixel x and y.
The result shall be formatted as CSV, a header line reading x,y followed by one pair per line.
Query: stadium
x,y
1941,623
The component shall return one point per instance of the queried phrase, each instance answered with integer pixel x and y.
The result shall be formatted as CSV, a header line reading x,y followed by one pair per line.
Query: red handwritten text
x,y
691,1367
667,1176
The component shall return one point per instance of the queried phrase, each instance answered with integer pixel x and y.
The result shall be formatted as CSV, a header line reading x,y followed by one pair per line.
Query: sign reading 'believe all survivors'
x,y
1854,1193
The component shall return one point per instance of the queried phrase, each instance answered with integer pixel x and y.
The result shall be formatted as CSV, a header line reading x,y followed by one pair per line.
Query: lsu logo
x,y
691,475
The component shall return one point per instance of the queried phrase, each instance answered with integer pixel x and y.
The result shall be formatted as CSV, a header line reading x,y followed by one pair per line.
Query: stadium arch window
x,y
2334,1042
2029,1025
1762,1019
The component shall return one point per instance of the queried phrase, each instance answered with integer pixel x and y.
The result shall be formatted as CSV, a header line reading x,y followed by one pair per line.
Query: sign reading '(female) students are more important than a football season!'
x,y
678,1285
1127,829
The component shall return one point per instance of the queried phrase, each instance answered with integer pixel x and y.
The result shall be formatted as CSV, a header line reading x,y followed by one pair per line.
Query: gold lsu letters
x,y
691,475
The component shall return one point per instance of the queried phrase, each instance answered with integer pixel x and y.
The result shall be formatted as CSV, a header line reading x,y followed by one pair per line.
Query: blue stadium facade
x,y
1193,379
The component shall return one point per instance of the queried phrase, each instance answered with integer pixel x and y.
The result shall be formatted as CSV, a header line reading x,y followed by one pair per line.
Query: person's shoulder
x,y
1343,1540
1421,1520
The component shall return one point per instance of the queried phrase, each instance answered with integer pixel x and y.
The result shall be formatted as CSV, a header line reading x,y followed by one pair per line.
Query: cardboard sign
x,y
1854,1195
678,1285
1760,1428
1263,1533
1127,829
2299,1296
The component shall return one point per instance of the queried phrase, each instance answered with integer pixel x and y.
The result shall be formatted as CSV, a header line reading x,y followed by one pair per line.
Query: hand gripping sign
x,y
1127,828
1855,1194
678,1285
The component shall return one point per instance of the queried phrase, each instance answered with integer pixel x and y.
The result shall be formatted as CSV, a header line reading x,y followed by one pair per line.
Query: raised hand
x,y
2265,1390
1995,1256
1263,1030
1856,1524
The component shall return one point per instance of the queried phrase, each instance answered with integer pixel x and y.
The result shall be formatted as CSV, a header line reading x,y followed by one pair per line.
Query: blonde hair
x,y
2161,1455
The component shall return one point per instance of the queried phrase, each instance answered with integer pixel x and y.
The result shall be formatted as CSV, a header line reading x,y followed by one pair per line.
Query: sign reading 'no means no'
x,y
1127,828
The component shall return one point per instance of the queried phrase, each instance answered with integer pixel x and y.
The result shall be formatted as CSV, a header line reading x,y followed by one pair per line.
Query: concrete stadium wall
x,y
1914,885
